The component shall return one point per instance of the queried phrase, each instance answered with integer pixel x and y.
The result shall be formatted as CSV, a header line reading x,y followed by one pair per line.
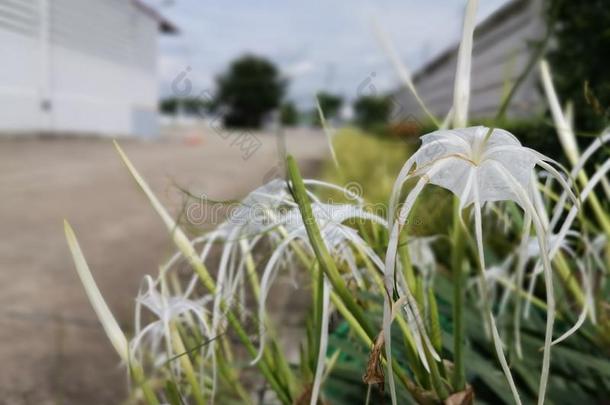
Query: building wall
x,y
502,48
19,73
84,66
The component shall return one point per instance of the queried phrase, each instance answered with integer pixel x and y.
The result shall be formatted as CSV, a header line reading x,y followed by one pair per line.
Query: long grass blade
x,y
564,130
186,248
402,71
327,132
461,90
109,323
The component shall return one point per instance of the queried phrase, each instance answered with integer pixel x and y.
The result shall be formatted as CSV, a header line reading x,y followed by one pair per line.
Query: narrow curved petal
x,y
520,271
542,236
497,340
268,276
581,318
567,223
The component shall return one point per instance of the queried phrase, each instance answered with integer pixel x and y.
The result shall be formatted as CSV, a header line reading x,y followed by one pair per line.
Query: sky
x,y
317,44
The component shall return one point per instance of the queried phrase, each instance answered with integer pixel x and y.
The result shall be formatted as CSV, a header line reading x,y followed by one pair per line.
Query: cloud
x,y
317,44
300,68
175,72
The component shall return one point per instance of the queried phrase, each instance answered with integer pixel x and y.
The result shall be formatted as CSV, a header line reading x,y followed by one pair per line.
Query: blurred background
x,y
197,92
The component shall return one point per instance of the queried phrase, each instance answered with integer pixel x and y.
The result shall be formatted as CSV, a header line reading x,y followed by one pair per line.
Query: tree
x,y
580,59
248,91
372,110
288,114
187,105
169,106
330,105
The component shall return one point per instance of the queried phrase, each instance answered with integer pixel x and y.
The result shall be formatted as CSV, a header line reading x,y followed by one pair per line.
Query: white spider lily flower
x,y
161,339
479,165
260,213
263,214
261,209
337,236
166,309
257,212
331,219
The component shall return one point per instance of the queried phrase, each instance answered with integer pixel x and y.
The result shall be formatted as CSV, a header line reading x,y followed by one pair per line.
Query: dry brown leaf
x,y
465,397
374,370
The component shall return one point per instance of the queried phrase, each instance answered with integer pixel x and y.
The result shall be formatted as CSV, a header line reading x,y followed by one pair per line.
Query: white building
x,y
79,66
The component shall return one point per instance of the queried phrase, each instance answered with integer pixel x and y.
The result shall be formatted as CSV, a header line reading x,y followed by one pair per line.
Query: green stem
x,y
405,260
341,297
318,282
457,257
186,364
228,375
264,364
250,268
324,258
437,381
138,375
409,341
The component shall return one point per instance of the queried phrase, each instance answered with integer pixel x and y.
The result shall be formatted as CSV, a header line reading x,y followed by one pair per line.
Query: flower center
x,y
478,147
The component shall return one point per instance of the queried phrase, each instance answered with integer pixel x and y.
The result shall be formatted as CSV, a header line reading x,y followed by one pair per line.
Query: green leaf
x,y
172,393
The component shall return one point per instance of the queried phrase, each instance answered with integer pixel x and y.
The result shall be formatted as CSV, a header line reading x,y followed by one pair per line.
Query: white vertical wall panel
x,y
98,71
19,80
